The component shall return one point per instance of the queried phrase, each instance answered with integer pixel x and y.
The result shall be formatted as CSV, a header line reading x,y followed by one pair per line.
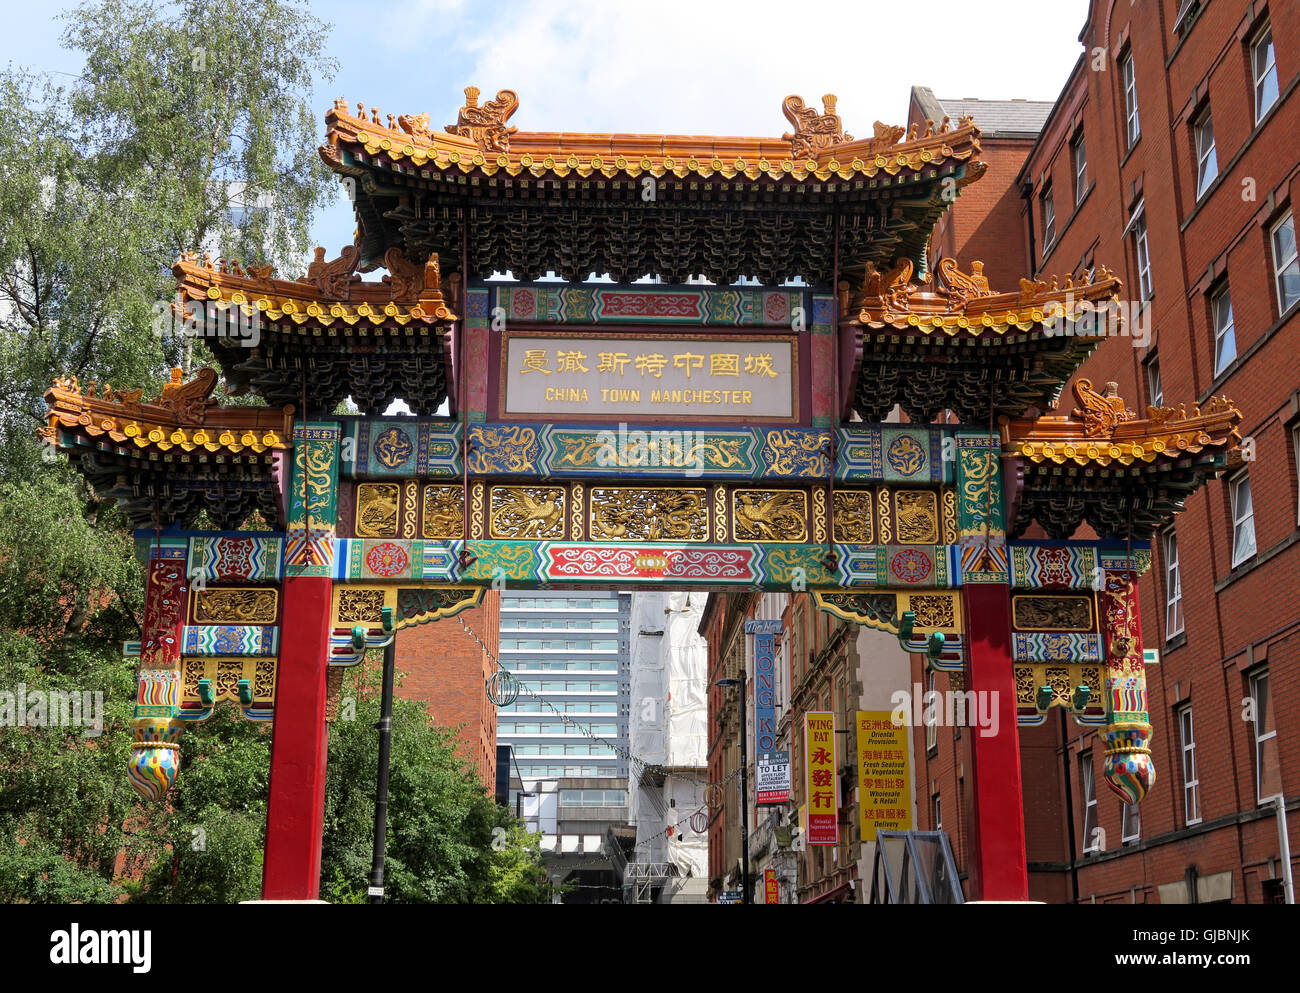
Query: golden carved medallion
x,y
852,517
527,512
444,512
235,606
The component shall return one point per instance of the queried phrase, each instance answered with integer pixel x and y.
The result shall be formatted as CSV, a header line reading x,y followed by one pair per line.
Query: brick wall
x,y
447,670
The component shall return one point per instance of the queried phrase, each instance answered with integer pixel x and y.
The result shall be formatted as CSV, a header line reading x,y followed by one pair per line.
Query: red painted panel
x,y
997,866
296,808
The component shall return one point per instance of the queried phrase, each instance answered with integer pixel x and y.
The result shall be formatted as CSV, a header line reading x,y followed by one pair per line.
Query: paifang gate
x,y
727,428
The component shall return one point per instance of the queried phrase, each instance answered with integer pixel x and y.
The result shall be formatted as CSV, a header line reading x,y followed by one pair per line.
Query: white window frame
x,y
1142,249
931,726
1207,156
1130,829
1191,778
1154,387
1242,517
1047,205
1225,330
1295,446
1260,79
1260,739
1079,152
1091,836
1128,79
1174,620
1283,267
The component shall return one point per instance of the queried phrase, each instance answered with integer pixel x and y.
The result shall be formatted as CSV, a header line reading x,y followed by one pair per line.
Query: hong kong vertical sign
x,y
771,768
821,779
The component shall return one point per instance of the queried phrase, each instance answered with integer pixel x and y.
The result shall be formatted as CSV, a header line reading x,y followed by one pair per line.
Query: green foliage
x,y
448,841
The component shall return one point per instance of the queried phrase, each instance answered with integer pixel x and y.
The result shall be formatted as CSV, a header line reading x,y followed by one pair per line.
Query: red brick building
x,y
1171,157
446,669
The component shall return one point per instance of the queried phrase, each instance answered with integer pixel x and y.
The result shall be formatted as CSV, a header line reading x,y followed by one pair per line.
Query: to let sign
x,y
772,777
821,780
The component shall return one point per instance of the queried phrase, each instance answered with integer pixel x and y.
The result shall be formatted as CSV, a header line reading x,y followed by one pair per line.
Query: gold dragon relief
x,y
444,512
852,517
770,515
916,517
236,606
377,510
527,512
649,514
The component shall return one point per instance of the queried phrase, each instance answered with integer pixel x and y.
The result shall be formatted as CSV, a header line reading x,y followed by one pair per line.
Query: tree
x,y
183,110
448,841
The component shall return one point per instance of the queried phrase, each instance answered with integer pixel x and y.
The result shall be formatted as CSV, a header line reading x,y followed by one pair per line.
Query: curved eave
x,y
290,303
560,155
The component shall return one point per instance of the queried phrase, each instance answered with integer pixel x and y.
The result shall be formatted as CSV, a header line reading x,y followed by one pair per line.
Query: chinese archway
x,y
704,431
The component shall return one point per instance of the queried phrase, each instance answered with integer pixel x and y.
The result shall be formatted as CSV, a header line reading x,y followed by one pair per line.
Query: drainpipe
x,y
1284,844
1069,801
1027,195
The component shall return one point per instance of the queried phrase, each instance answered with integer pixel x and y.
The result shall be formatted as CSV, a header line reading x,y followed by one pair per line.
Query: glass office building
x,y
570,651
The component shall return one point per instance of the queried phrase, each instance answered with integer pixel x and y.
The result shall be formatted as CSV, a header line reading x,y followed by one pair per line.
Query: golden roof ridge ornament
x,y
486,125
812,131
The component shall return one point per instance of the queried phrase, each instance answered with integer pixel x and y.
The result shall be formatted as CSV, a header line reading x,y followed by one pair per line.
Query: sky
x,y
675,66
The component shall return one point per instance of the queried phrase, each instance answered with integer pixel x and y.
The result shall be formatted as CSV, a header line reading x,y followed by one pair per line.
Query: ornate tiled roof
x,y
950,342
169,459
1102,431
1102,464
481,140
330,293
963,302
184,417
329,335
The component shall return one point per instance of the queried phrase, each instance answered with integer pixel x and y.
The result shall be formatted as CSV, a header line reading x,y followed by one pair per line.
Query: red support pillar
x,y
296,807
997,860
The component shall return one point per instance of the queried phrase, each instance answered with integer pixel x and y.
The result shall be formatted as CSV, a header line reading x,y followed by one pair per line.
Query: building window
x,y
1143,252
1295,447
1048,209
1286,264
1173,586
1264,69
1225,332
1268,776
1207,159
1154,389
1129,81
931,719
1079,153
936,812
1091,836
1130,823
1191,782
1243,520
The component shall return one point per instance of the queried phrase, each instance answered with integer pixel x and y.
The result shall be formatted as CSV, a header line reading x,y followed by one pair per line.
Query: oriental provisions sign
x,y
672,377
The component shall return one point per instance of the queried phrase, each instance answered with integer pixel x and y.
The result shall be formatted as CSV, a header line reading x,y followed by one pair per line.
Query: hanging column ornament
x,y
502,688
1128,768
155,727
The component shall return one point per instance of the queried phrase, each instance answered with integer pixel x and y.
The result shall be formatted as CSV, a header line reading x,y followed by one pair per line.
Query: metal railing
x,y
914,867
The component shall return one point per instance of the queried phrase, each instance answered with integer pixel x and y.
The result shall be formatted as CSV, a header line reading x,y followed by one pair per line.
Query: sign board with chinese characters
x,y
772,777
771,889
686,377
821,778
776,789
884,780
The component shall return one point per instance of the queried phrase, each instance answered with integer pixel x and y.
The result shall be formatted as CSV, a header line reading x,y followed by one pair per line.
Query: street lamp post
x,y
744,791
